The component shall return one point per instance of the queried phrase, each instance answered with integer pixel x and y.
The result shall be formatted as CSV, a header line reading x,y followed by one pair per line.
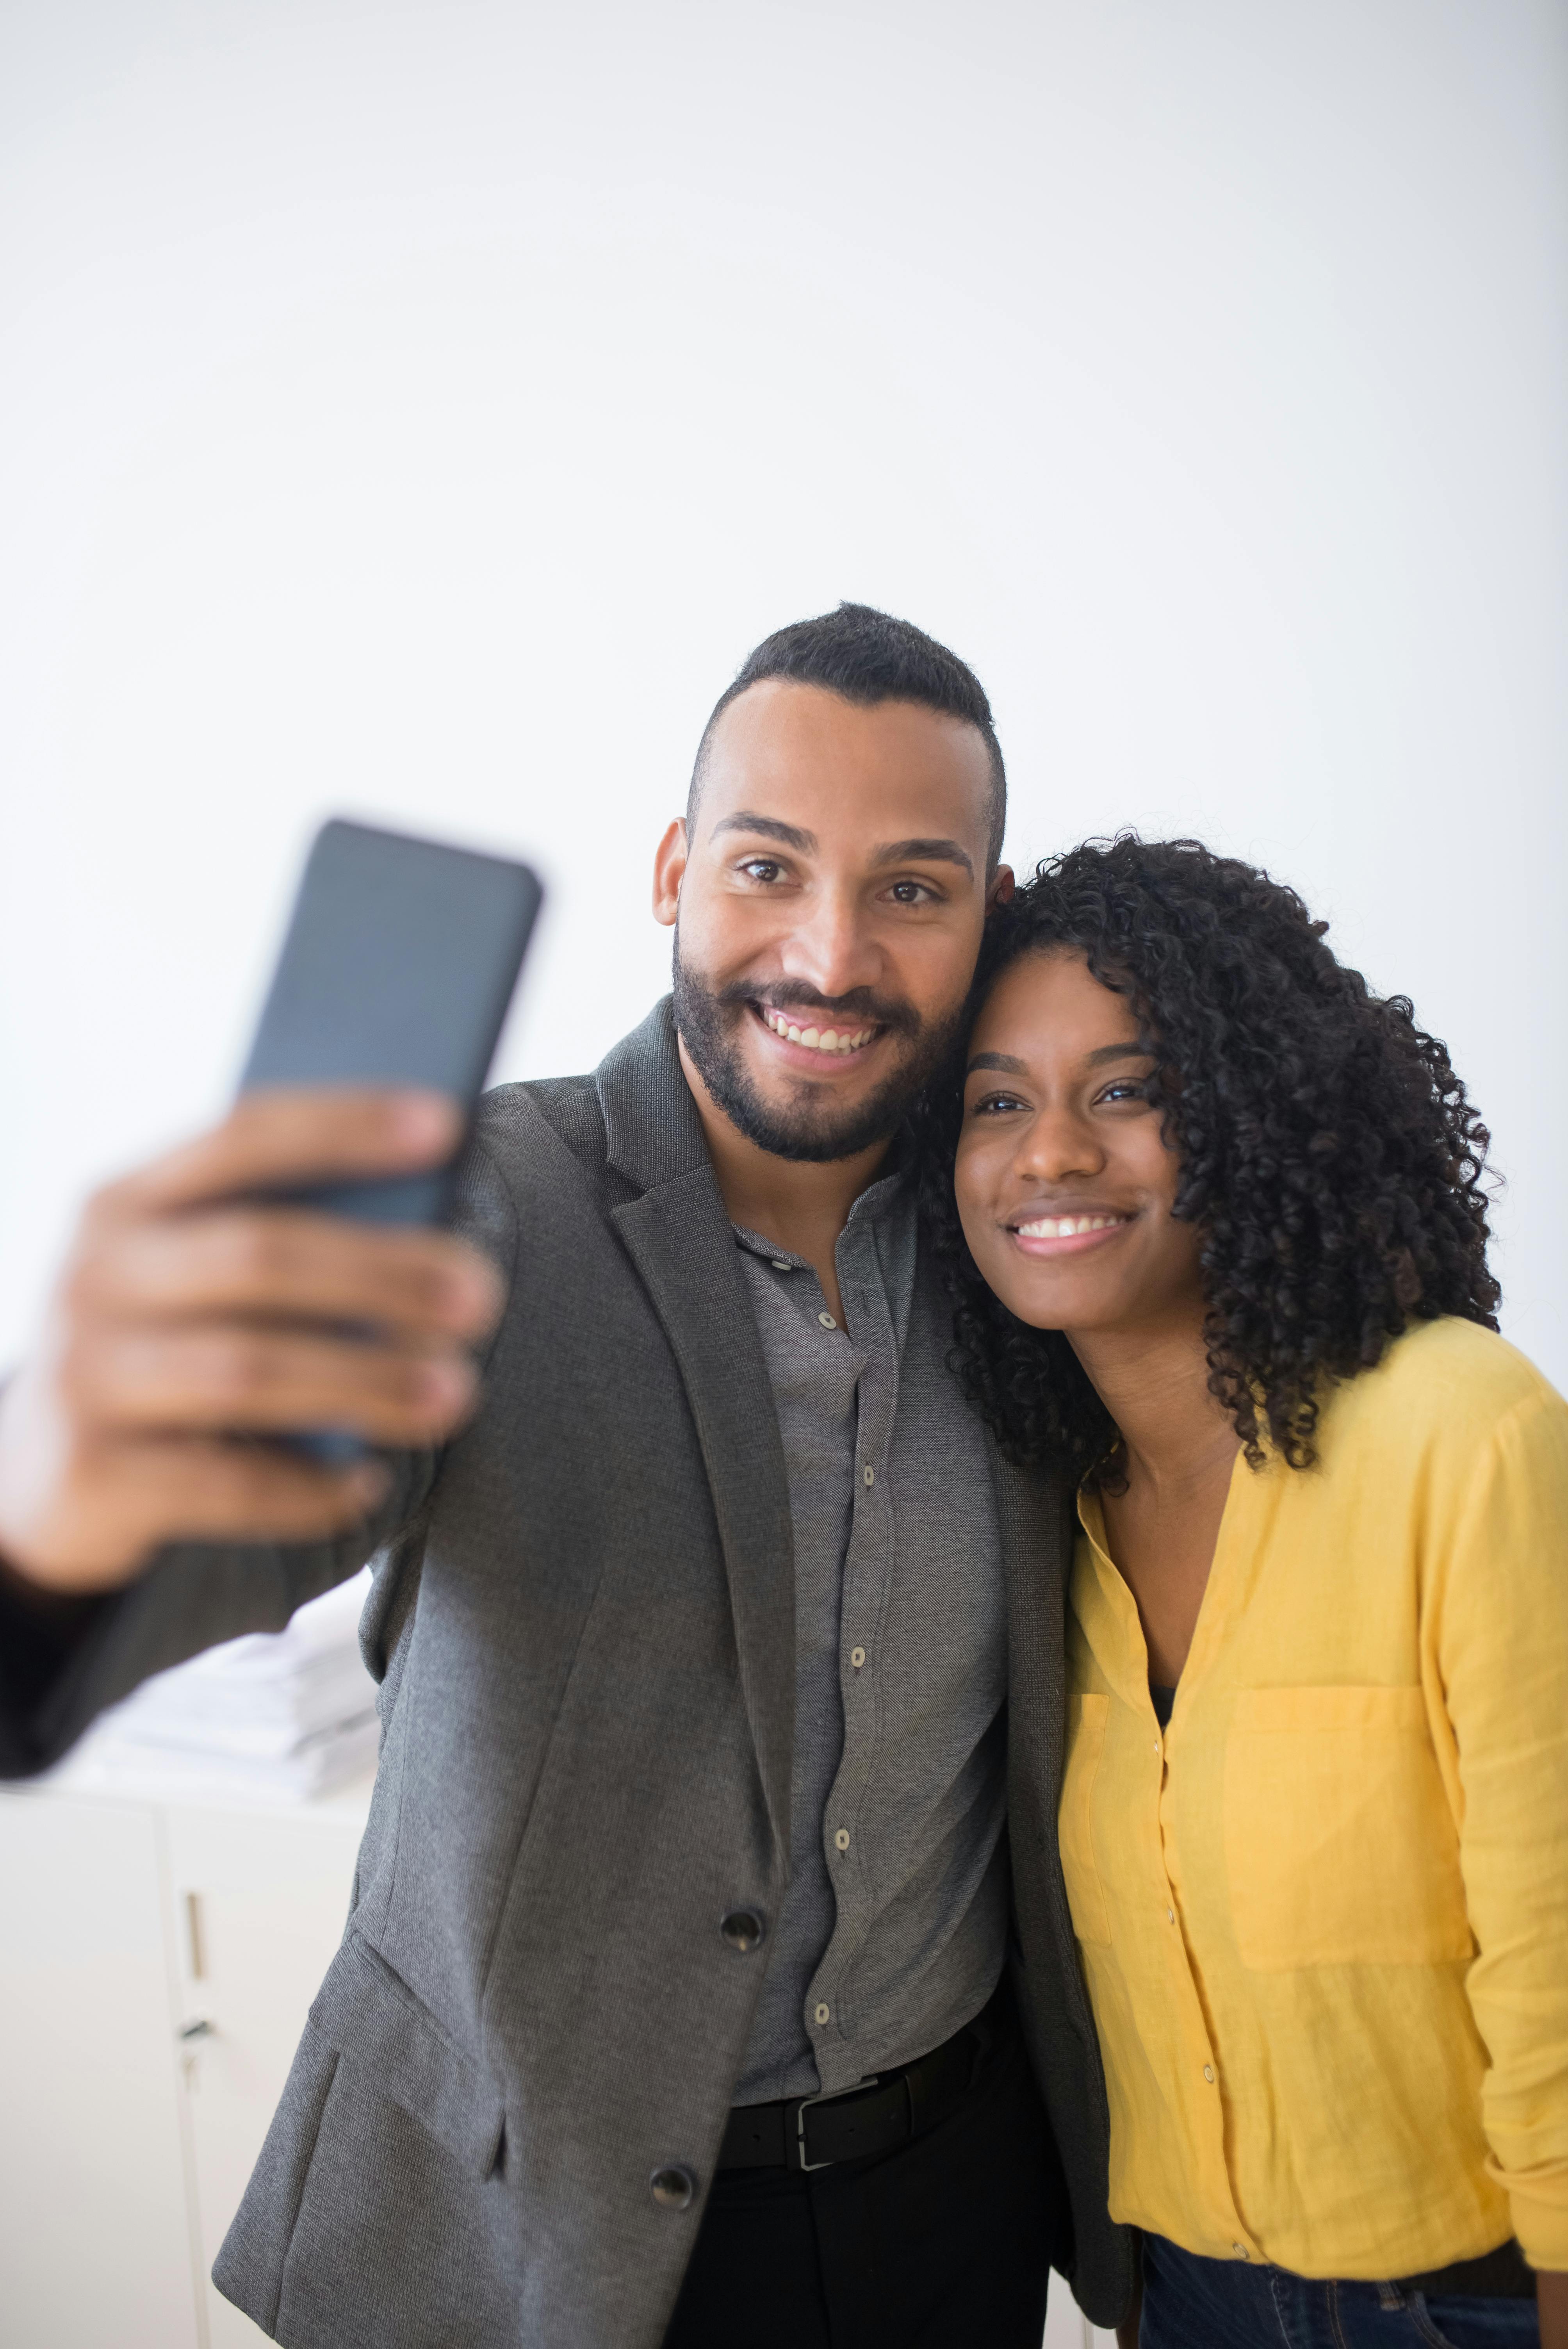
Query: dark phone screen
x,y
397,968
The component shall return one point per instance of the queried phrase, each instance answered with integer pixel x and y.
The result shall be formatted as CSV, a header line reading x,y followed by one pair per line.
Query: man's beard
x,y
809,1127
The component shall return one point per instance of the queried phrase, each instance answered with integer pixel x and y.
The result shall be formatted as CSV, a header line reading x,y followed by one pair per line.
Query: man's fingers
x,y
279,1137
200,1489
273,1381
281,1261
235,1489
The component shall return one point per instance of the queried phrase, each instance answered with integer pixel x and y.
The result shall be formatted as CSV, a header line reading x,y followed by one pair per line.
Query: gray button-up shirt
x,y
893,1928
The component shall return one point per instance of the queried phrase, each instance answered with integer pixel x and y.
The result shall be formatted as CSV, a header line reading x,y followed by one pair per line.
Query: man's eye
x,y
762,868
911,893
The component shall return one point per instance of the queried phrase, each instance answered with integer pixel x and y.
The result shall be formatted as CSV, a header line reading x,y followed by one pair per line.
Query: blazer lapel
x,y
1033,1513
679,1238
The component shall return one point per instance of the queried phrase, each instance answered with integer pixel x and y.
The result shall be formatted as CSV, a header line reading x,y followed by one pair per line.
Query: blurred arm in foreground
x,y
193,1320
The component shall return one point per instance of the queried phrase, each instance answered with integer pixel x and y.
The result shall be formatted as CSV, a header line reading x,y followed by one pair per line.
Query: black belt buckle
x,y
823,2096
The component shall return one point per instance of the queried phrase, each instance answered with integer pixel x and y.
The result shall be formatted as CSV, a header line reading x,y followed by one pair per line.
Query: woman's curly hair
x,y
1328,1152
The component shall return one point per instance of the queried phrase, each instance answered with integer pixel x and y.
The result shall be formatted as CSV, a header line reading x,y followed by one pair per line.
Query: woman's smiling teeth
x,y
1066,1227
816,1040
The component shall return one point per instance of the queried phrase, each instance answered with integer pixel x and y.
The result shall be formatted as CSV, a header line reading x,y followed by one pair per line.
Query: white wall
x,y
419,410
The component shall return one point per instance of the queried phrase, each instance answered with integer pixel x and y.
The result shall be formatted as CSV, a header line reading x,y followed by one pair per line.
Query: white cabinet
x,y
95,2222
259,1901
125,2147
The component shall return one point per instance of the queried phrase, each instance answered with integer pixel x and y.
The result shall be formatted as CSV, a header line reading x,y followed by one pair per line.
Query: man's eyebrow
x,y
790,834
923,852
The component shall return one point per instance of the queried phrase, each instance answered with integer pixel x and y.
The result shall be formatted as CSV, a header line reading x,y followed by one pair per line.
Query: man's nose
x,y
830,947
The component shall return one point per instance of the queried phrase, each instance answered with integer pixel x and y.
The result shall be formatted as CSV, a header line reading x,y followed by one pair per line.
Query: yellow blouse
x,y
1324,1918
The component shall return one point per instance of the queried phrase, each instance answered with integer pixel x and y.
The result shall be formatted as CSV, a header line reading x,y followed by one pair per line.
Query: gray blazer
x,y
583,1625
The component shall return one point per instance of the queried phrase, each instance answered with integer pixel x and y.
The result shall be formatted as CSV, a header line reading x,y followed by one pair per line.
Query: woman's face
x,y
1065,1182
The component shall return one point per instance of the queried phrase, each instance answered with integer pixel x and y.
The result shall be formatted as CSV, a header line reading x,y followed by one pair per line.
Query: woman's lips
x,y
1051,1236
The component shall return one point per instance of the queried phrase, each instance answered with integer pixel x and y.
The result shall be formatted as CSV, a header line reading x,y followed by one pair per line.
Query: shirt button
x,y
841,1839
870,1475
823,2012
827,1320
857,1657
1241,2250
1209,2072
673,2188
779,1264
1171,1913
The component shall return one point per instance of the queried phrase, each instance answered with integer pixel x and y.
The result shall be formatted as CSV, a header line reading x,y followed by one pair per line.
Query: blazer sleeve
x,y
1502,1649
60,1668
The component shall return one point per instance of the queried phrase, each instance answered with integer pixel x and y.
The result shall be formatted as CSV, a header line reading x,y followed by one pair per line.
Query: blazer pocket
x,y
371,2016
1087,1720
1340,1847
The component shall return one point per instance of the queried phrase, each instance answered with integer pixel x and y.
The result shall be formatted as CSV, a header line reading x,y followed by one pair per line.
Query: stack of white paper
x,y
273,1716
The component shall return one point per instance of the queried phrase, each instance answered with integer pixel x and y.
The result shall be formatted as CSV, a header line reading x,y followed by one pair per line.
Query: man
x,y
695,1642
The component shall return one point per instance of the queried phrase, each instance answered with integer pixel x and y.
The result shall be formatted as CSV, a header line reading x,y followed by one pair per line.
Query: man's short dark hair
x,y
868,657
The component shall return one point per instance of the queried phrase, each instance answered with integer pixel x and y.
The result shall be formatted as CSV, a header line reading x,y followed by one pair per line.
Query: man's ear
x,y
669,869
1002,886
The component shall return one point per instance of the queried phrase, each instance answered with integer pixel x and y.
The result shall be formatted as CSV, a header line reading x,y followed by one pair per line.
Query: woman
x,y
1223,1246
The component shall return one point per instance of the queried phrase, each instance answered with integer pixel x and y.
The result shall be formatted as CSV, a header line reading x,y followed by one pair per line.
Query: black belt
x,y
1503,2274
874,2116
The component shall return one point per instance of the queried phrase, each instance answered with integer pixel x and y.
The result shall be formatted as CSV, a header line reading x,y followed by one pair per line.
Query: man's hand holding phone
x,y
194,1317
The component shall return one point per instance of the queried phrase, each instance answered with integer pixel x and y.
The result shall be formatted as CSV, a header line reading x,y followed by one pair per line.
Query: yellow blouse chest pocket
x,y
1340,1847
1087,1717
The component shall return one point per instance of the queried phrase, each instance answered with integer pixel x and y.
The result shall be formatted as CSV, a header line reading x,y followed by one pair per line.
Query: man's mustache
x,y
861,1007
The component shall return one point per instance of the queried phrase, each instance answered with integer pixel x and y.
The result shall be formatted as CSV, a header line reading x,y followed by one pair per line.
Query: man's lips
x,y
1074,1234
809,1040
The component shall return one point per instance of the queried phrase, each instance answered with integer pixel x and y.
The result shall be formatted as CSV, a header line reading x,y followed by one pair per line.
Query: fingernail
x,y
470,1294
425,1120
370,1482
443,1384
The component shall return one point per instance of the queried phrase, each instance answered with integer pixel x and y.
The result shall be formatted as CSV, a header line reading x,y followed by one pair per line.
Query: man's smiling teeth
x,y
816,1040
1066,1227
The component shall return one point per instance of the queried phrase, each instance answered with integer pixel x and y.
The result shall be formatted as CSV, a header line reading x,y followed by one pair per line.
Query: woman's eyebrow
x,y
1007,1066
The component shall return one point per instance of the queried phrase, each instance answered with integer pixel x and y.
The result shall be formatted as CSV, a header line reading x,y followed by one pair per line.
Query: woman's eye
x,y
1126,1089
995,1104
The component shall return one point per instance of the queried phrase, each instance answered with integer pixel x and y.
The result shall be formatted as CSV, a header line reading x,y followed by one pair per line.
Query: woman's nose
x,y
1057,1146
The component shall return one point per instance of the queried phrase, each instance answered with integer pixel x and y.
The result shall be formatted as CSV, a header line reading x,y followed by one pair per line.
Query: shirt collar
x,y
877,1205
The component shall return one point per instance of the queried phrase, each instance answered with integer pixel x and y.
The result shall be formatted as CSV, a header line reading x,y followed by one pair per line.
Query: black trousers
x,y
945,2244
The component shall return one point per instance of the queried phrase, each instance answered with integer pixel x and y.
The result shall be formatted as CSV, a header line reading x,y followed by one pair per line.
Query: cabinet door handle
x,y
195,1937
200,2030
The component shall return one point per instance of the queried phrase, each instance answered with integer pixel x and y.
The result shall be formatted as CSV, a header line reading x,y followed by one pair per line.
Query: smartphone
x,y
397,968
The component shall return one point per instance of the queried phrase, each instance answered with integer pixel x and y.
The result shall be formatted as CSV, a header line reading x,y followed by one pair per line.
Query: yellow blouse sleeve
x,y
1498,1627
